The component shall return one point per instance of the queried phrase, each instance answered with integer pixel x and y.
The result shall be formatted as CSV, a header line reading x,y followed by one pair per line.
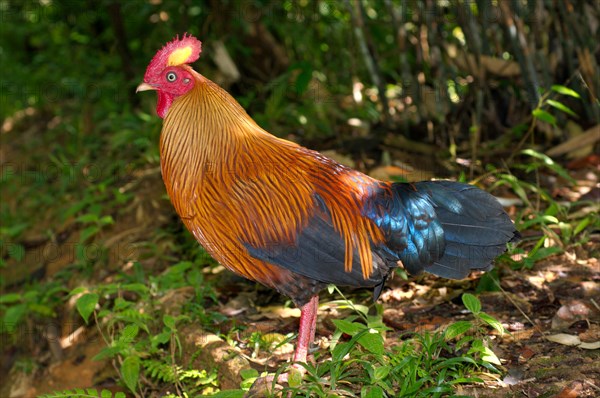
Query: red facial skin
x,y
172,82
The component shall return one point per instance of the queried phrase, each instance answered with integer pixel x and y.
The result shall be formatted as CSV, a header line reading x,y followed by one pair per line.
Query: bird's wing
x,y
318,252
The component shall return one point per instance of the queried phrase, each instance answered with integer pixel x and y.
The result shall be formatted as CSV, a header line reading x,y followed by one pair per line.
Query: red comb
x,y
184,51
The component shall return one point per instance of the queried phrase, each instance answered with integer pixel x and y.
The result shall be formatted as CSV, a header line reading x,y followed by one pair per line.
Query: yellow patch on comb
x,y
179,56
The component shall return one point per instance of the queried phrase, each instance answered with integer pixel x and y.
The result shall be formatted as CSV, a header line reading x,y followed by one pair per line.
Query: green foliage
x,y
561,223
81,393
422,365
38,301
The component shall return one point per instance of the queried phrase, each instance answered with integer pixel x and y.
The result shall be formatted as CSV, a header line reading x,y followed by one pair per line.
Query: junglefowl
x,y
294,220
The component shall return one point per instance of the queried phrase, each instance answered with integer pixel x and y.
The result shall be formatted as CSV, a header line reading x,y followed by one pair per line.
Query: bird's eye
x,y
171,76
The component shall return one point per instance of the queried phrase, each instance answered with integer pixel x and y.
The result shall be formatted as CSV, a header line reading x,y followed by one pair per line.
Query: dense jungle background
x,y
104,293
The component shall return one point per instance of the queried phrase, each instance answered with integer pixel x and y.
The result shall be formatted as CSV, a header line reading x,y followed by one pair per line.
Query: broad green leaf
x,y
120,394
350,328
372,341
130,372
561,107
86,305
565,91
105,394
544,116
472,303
10,298
457,328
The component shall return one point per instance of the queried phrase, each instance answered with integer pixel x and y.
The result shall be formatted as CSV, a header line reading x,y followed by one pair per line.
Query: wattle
x,y
164,103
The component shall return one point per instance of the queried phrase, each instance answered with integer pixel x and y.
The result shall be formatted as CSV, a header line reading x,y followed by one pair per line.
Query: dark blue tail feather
x,y
442,227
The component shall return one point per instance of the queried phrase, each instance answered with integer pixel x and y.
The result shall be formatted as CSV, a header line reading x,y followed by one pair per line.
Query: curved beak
x,y
144,87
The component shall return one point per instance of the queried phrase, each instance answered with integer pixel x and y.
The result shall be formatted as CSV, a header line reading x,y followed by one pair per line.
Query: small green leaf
x,y
77,291
561,107
136,287
230,394
457,328
88,218
372,392
16,251
565,91
381,372
130,371
472,303
248,373
169,321
582,225
129,333
550,164
42,309
160,338
86,305
120,394
106,220
340,351
12,317
493,322
294,377
88,232
106,394
303,79
489,356
544,116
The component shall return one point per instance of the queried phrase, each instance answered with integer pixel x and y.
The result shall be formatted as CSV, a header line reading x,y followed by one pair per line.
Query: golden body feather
x,y
232,183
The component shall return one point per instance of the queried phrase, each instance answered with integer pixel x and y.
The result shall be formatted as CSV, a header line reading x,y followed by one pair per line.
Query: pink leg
x,y
306,335
306,332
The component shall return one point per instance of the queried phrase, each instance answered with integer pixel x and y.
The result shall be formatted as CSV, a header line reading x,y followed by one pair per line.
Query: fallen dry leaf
x,y
571,340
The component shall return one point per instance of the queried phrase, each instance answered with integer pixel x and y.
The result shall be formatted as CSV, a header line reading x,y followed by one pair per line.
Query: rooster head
x,y
169,74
